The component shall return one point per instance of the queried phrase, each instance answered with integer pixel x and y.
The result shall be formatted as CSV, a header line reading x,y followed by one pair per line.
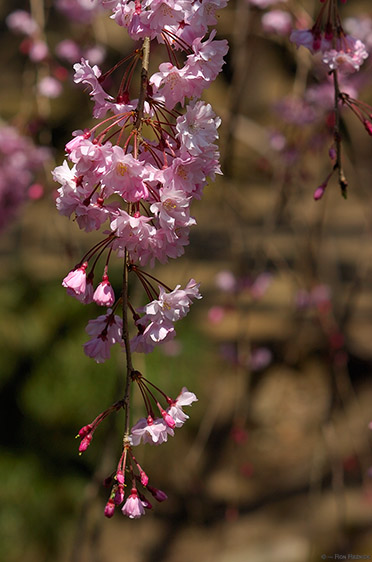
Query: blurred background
x,y
274,463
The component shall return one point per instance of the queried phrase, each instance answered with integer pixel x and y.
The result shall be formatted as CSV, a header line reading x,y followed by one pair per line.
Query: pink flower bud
x,y
159,495
85,443
168,419
119,495
319,192
120,477
109,508
144,478
85,430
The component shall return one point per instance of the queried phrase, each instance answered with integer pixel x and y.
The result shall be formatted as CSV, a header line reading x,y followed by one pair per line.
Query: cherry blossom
x,y
106,330
104,294
76,280
149,430
133,507
185,398
197,129
348,60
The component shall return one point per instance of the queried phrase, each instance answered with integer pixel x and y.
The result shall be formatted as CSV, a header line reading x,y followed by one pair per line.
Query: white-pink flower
x,y
124,176
133,507
207,59
185,398
150,430
197,128
349,58
76,280
104,294
173,83
106,330
173,209
156,325
86,74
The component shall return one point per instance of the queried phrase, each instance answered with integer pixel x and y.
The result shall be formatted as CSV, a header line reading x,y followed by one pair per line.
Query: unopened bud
x,y
168,419
85,443
109,508
319,192
159,495
120,477
119,495
144,478
85,430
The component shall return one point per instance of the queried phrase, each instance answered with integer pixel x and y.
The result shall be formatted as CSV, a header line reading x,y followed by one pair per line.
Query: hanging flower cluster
x,y
137,172
20,162
341,54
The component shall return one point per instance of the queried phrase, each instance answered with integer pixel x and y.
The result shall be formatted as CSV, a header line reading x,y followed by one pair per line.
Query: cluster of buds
x,y
138,170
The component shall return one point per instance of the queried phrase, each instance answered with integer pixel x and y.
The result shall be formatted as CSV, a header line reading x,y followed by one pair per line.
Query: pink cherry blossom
x,y
133,507
156,332
197,129
347,59
86,74
173,83
207,59
106,330
156,325
226,281
104,294
123,176
187,175
133,233
173,209
152,431
76,280
185,398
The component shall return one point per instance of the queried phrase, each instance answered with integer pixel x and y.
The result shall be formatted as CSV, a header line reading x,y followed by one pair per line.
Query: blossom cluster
x,y
20,161
52,61
327,36
136,173
339,50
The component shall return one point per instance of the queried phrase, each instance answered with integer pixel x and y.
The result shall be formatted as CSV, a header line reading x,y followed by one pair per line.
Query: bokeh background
x,y
274,463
